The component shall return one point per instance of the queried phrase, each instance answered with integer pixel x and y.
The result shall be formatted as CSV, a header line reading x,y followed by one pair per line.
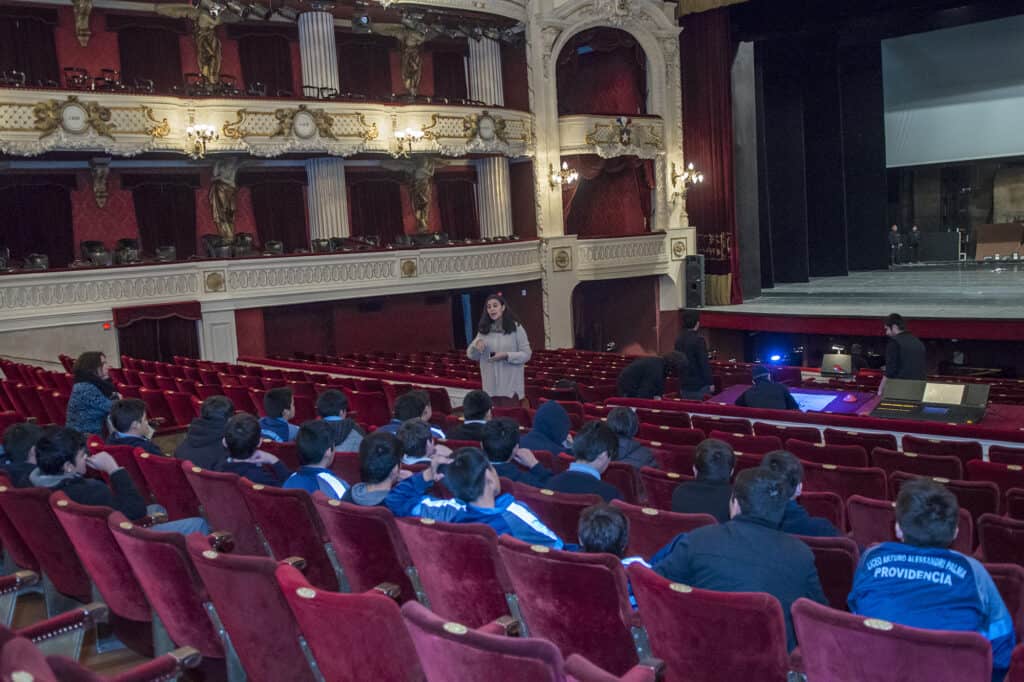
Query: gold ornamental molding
x,y
302,123
73,116
623,136
485,132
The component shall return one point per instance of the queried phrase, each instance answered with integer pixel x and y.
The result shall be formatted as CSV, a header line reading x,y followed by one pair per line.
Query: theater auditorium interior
x,y
449,340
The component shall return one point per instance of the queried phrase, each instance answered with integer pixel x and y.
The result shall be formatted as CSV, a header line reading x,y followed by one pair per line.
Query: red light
x,y
106,326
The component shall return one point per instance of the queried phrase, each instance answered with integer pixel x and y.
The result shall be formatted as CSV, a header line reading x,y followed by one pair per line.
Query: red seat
x,y
13,544
677,458
834,646
148,380
751,444
706,636
181,407
21,659
836,560
241,397
168,484
825,505
1009,580
559,511
1015,503
347,467
520,414
841,455
964,450
651,529
187,386
977,497
124,455
1005,455
670,434
8,418
52,404
745,460
224,507
1005,476
659,486
288,453
943,466
166,383
845,481
546,581
726,424
205,391
868,441
677,420
808,434
624,476
371,407
873,521
1001,539
31,404
305,408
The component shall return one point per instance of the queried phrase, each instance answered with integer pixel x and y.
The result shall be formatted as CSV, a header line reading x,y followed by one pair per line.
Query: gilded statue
x,y
412,58
420,180
99,168
82,9
204,35
223,191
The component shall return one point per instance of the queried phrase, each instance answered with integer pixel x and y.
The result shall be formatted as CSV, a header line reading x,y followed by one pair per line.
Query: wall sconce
x,y
563,176
199,135
404,140
689,177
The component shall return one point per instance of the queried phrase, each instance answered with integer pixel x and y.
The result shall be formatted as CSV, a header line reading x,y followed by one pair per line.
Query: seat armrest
x,y
221,541
18,581
390,590
61,624
153,519
506,626
295,562
166,667
582,670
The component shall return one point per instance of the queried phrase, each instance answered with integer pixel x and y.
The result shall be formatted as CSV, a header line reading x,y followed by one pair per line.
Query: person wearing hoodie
x,y
796,520
625,424
500,443
550,430
380,455
19,456
332,407
315,445
92,394
204,442
478,499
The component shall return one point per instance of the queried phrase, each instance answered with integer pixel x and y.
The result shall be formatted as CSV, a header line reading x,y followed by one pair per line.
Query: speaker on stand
x,y
693,272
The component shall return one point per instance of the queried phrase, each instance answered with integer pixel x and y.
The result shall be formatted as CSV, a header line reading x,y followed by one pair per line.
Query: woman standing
x,y
502,348
92,395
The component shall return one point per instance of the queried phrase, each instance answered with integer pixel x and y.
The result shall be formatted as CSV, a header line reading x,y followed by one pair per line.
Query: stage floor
x,y
991,291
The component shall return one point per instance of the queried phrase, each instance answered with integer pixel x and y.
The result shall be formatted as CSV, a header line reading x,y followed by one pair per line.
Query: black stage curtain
x,y
27,43
449,74
160,340
151,52
37,219
456,201
375,203
364,64
280,210
165,209
266,58
602,71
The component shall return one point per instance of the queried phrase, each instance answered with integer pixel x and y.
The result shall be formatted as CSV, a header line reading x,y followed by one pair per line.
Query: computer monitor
x,y
836,365
943,394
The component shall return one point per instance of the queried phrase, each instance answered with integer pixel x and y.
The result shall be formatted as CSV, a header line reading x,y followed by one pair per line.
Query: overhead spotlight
x,y
289,13
260,11
361,17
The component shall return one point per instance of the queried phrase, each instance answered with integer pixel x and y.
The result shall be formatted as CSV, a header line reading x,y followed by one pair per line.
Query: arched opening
x,y
600,321
602,71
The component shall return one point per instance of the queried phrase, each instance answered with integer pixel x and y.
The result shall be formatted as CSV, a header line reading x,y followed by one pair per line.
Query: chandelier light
x,y
200,135
563,176
404,139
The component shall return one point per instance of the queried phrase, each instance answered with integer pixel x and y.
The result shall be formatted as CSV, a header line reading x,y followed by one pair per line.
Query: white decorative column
x,y
493,189
327,198
317,49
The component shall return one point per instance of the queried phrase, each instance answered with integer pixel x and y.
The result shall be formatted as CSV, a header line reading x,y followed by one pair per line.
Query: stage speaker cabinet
x,y
694,273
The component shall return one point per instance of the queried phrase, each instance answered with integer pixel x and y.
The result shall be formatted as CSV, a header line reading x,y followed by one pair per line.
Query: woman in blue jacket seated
x,y
92,394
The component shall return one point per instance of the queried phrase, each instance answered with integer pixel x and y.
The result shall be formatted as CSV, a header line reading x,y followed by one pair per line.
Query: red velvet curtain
x,y
364,64
27,43
707,52
456,202
280,211
450,74
522,189
165,208
612,196
267,59
150,52
37,219
602,71
514,78
375,204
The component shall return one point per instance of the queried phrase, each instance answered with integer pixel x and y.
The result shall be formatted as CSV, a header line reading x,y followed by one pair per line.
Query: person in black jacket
x,y
749,553
19,454
476,411
696,381
711,492
242,439
895,242
904,354
204,442
131,426
500,443
796,520
645,376
766,394
624,422
594,447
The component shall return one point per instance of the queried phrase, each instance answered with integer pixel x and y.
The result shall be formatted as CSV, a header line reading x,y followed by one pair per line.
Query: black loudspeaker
x,y
694,273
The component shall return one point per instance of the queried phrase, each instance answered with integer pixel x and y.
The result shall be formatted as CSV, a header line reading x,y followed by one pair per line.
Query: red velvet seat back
x,y
167,481
224,507
977,497
124,456
31,403
677,458
559,511
241,397
1001,539
651,529
9,417
253,610
459,568
180,403
291,527
49,399
659,486
846,481
592,587
29,511
836,560
841,455
679,420
367,543
21,660
1005,476
346,465
450,651
170,583
708,636
964,450
520,414
825,505
670,434
13,543
624,476
727,424
352,637
745,460
807,434
371,407
745,443
148,380
867,440
842,647
944,466
1002,454
1014,503
874,521
156,405
1009,580
288,453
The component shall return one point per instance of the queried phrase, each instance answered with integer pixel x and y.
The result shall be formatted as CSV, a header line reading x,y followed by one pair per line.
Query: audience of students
x,y
500,442
625,424
604,529
242,440
594,447
92,394
315,446
796,520
411,405
130,426
19,457
279,404
417,441
476,411
204,440
380,457
711,492
550,431
332,407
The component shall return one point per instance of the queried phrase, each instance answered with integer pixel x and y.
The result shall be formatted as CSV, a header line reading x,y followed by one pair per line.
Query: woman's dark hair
x,y
87,370
508,318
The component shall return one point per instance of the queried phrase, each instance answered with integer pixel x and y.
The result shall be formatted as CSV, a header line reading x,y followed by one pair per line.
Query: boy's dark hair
x,y
19,439
242,436
787,465
331,402
623,422
414,435
277,400
603,528
675,363
379,454
218,407
690,318
594,438
476,405
714,460
499,439
928,513
314,438
895,320
410,405
56,447
124,412
761,493
466,475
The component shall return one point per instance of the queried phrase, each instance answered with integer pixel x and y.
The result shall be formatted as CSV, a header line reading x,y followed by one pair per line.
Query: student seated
x,y
604,529
242,440
279,404
380,455
796,520
711,492
625,424
332,407
476,411
19,456
131,426
478,499
62,461
593,449
315,446
418,444
748,553
204,441
500,441
550,431
766,394
920,582
412,405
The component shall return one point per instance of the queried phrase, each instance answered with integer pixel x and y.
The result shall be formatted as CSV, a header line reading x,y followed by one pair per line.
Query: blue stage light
x,y
775,357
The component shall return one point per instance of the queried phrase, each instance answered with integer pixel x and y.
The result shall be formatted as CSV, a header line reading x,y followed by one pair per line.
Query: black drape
x,y
37,219
376,207
150,52
159,340
456,202
449,74
27,43
364,64
280,211
166,213
266,59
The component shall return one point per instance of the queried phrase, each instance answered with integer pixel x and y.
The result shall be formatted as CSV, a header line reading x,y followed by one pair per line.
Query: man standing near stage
x,y
894,245
904,355
696,380
914,242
